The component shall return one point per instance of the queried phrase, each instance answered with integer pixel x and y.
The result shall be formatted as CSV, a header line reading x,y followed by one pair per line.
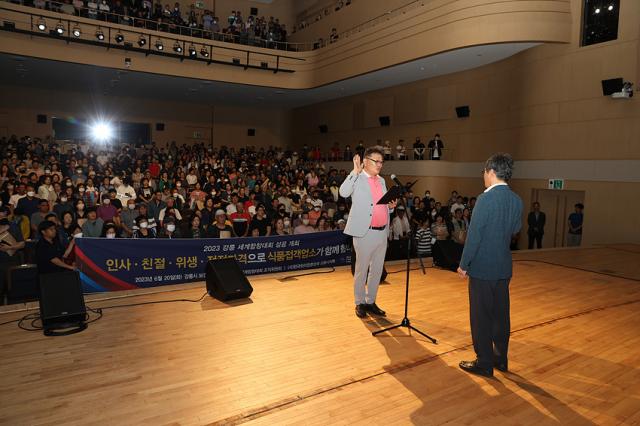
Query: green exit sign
x,y
556,183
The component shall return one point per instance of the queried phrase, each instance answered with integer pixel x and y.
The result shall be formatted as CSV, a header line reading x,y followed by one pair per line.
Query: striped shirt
x,y
423,238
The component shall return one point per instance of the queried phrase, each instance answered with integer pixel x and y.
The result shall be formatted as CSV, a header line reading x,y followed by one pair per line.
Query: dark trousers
x,y
490,322
537,238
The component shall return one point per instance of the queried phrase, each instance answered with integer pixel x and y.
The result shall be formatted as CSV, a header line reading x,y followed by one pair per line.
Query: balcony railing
x,y
195,45
162,25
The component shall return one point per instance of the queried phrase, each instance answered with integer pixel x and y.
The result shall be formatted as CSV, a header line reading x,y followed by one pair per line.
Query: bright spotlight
x,y
99,34
597,11
192,51
42,26
119,38
610,8
177,48
60,28
204,52
76,31
101,132
142,41
159,45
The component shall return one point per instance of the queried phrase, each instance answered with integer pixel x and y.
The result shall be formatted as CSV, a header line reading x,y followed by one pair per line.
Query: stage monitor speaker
x,y
226,281
463,111
62,309
447,254
22,283
611,86
160,127
41,119
323,128
251,132
384,120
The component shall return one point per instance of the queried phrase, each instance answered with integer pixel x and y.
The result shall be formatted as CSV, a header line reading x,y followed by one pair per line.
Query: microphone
x,y
395,179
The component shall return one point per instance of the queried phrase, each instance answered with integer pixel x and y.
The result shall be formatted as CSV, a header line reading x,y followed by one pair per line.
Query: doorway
x,y
557,206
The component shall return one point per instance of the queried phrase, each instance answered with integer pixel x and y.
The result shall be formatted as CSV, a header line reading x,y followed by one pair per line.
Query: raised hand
x,y
357,164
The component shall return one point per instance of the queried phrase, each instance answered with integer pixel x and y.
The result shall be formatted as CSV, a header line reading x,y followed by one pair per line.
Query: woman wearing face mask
x,y
143,230
80,212
169,229
109,230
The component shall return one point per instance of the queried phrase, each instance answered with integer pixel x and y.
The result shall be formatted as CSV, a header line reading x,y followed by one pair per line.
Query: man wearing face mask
x,y
368,223
128,218
29,204
314,215
143,230
304,227
63,205
169,229
107,211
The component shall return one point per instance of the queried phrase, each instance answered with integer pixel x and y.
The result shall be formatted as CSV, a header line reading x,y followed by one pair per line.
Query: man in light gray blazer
x,y
368,223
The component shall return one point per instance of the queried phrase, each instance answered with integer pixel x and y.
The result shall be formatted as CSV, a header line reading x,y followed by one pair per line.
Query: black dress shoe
x,y
361,311
472,367
501,366
373,308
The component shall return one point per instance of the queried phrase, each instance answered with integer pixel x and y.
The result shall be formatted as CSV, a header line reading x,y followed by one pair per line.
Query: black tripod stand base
x,y
405,323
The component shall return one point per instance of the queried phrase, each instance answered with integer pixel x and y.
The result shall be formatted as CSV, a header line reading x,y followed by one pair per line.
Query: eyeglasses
x,y
378,162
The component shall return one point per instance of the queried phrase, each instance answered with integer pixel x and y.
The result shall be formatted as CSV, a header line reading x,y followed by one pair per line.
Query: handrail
x,y
150,46
322,11
114,18
230,38
385,16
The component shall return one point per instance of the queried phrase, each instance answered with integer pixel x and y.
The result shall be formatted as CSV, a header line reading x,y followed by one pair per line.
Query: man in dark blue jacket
x,y
486,260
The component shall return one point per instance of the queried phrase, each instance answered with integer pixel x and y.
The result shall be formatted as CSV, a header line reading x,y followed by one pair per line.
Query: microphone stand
x,y
406,322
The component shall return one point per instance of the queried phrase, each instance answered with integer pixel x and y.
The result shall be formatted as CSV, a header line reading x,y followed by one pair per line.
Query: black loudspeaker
x,y
447,254
611,86
22,285
254,11
462,111
226,281
323,128
160,127
62,309
41,119
385,120
251,132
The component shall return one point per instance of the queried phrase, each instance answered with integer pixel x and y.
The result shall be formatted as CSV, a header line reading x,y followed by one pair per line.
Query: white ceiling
x,y
47,74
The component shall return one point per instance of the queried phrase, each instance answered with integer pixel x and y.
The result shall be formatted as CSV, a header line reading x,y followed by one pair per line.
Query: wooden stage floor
x,y
297,354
